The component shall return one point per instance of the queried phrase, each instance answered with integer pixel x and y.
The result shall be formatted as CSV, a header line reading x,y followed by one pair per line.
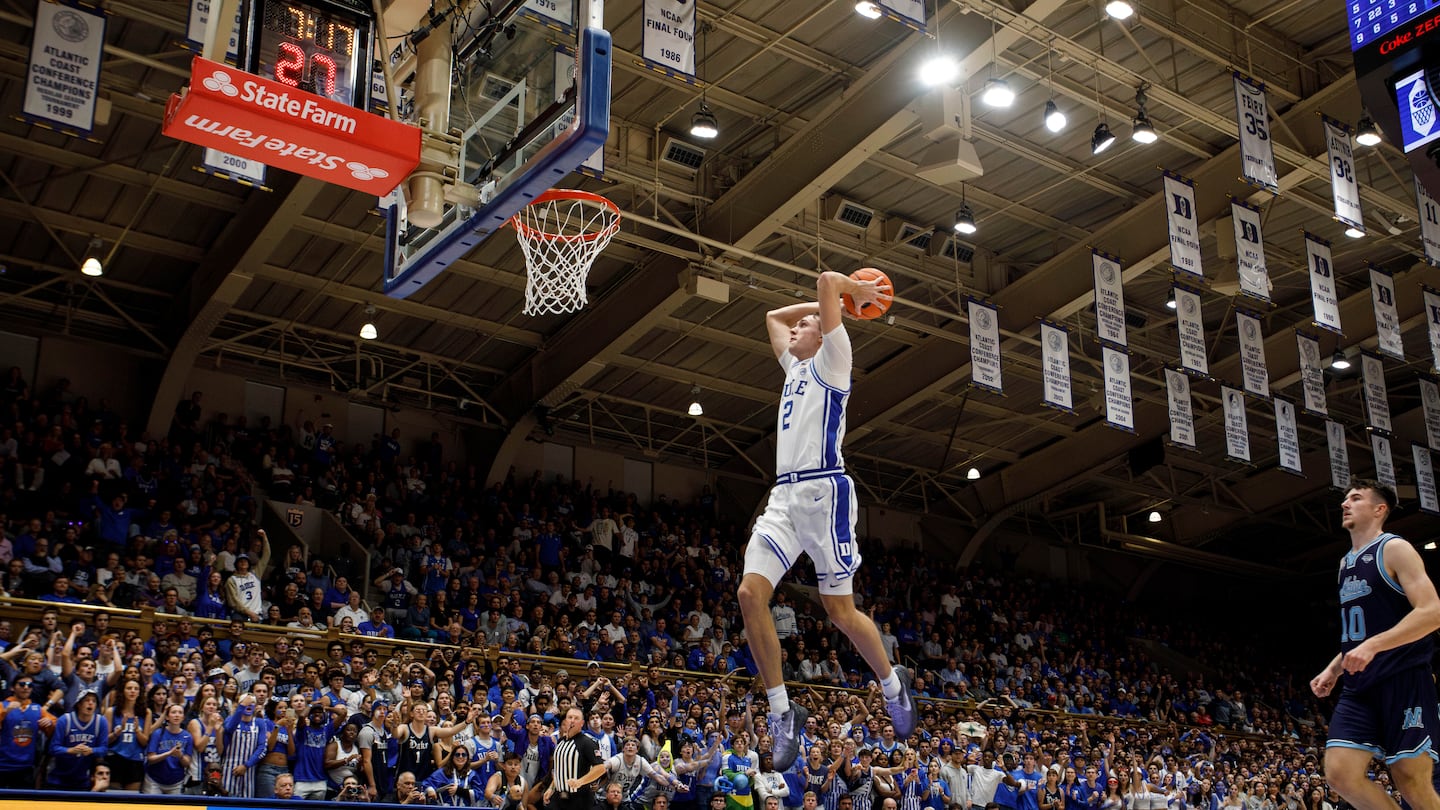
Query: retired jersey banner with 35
x,y
1312,375
1287,435
1184,225
1237,429
1339,455
1384,461
1250,251
669,40
985,346
1257,155
1377,401
1109,299
1182,414
1425,478
1191,328
1119,403
1430,407
62,81
1055,356
1387,320
1322,283
1343,183
1429,223
1255,376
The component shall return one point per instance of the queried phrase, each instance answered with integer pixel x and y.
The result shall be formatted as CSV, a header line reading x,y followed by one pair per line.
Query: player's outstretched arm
x,y
828,289
1405,564
779,321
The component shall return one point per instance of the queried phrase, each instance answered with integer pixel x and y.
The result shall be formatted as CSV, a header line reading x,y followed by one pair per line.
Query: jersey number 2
x,y
1352,624
785,414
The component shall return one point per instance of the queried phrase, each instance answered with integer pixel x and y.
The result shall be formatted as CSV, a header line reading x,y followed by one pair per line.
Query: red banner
x,y
291,129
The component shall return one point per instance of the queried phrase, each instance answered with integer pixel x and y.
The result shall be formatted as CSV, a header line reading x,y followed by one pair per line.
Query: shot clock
x,y
318,46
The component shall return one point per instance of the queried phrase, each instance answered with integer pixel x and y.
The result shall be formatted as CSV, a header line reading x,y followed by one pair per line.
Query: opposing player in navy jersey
x,y
1387,706
812,505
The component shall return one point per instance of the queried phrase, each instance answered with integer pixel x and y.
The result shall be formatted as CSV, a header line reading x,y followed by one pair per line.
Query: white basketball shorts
x,y
814,517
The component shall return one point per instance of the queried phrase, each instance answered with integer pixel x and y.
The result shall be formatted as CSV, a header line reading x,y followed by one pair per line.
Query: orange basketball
x,y
870,311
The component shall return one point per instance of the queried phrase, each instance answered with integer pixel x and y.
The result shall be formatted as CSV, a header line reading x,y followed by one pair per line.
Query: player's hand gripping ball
x,y
870,310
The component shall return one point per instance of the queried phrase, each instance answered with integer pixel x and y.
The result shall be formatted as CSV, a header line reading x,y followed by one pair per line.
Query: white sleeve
x,y
833,362
785,359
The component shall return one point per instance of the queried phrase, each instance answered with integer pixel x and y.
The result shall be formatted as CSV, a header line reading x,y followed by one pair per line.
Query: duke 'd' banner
x,y
1192,332
1387,320
1430,406
1312,375
1119,404
1322,283
1182,415
1384,462
1339,455
1287,435
1237,430
670,35
1055,354
1184,226
1425,479
1343,182
1252,354
1429,223
1250,251
1377,403
1257,156
985,346
1109,299
1432,324
62,82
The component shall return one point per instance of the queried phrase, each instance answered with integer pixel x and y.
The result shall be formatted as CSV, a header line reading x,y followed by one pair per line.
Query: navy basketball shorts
x,y
1394,720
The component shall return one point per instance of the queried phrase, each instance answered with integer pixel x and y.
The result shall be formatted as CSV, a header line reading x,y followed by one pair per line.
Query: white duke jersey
x,y
811,420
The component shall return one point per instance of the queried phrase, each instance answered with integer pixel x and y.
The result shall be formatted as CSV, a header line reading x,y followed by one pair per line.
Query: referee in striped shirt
x,y
576,767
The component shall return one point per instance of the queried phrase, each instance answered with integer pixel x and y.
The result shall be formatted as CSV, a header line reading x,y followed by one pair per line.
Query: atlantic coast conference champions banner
x,y
1312,374
1237,428
1255,375
1055,354
1339,455
1287,435
1119,402
1430,407
1377,400
1182,414
62,82
1109,299
1190,324
985,346
1425,478
1384,461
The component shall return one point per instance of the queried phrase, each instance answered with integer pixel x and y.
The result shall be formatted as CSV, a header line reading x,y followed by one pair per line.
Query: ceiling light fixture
x,y
868,10
973,474
1353,232
964,218
703,123
1170,300
997,91
1102,139
1119,9
94,264
368,331
939,69
1141,129
1054,119
1366,133
1155,516
1339,362
696,409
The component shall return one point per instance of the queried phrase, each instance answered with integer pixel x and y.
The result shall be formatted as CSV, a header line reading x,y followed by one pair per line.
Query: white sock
x,y
890,685
779,700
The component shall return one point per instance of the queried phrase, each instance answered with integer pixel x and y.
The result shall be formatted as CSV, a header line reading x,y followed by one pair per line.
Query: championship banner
x,y
669,41
1339,455
1384,462
558,12
1237,430
985,346
197,25
1432,325
1425,479
1430,407
1322,283
1119,404
243,170
1055,357
1109,299
1429,223
1191,327
62,81
1257,155
1343,182
1312,374
909,12
594,166
1184,228
1377,402
1255,377
1250,251
1287,435
1387,320
1182,414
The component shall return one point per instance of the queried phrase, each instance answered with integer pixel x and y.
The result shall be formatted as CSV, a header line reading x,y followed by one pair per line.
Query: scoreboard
x,y
1396,48
1371,20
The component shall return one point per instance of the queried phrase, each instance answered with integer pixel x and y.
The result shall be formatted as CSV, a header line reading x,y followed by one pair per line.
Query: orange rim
x,y
559,194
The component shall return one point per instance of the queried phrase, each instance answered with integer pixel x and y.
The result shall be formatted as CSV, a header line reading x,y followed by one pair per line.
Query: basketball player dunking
x,y
812,505
1387,708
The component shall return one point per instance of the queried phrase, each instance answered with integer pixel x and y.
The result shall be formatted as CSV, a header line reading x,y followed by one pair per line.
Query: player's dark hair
x,y
1386,493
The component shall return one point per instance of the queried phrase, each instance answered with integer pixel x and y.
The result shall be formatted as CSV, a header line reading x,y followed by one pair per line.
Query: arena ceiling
x,y
816,104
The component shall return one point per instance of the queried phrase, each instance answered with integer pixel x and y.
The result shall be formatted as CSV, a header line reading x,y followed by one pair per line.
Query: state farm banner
x,y
1237,429
1191,328
1384,461
1432,325
985,346
1387,320
1055,357
1312,374
1339,455
558,12
1425,478
1430,407
1322,283
1184,226
1109,299
1377,401
1182,414
1255,376
670,35
62,81
1343,183
1429,223
1287,435
1119,402
1257,155
1250,251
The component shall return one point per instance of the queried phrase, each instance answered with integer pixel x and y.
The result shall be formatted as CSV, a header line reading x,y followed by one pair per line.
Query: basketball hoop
x,y
561,233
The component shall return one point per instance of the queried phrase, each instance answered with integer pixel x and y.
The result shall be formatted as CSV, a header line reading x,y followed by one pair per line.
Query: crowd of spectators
x,y
95,514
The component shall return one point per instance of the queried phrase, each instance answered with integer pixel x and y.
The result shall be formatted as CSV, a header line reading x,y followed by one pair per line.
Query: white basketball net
x,y
560,234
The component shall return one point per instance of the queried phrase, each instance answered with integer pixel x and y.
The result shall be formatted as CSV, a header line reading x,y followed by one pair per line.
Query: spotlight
x,y
1170,300
868,10
997,93
939,70
1339,362
1119,9
1102,139
1430,546
92,265
965,220
973,474
1366,133
1353,232
1142,131
368,331
1155,516
703,123
696,409
1054,119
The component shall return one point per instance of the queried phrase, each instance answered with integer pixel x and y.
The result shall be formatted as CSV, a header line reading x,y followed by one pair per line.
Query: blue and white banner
x,y
1415,101
1190,325
1322,283
1429,210
62,81
1254,375
557,12
197,28
1384,461
1250,251
1182,413
1287,435
1055,357
1109,299
1432,325
1343,183
906,11
1184,225
1387,320
1339,455
1257,155
1377,400
243,170
1312,374
1425,479
1119,402
1237,429
985,346
1430,407
669,41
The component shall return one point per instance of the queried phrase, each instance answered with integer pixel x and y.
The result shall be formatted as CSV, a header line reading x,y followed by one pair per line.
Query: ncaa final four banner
x,y
1250,251
1312,375
1387,320
1184,227
1119,402
1429,223
1055,358
1430,407
669,41
1190,325
62,82
1339,455
1287,436
1257,155
1432,325
1255,376
1384,461
1322,283
985,346
1109,299
1237,429
1182,413
1425,479
1377,400
1343,183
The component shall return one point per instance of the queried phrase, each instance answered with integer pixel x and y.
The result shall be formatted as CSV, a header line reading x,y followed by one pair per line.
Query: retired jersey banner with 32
x,y
1256,377
1182,414
1237,429
1257,155
1312,375
669,40
985,346
1322,283
1250,251
1191,328
1387,320
1384,461
1377,401
1109,299
1429,223
62,81
1425,478
1055,357
1119,403
1339,455
1343,182
1184,225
